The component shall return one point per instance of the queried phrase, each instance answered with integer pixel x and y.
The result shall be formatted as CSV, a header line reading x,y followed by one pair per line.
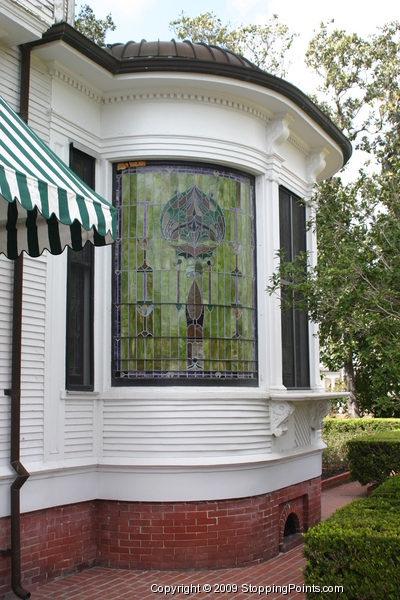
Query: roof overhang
x,y
19,25
66,46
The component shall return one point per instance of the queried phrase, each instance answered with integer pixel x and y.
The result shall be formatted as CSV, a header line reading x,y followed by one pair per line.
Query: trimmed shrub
x,y
358,548
373,458
336,434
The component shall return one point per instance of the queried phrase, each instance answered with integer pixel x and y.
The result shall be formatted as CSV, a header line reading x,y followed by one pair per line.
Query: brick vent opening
x,y
292,523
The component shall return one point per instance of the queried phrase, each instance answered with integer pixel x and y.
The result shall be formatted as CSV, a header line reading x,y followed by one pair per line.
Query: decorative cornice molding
x,y
280,413
278,132
188,97
318,411
298,145
315,164
77,85
277,129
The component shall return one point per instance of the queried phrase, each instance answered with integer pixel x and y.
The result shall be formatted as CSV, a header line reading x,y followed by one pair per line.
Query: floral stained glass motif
x,y
185,289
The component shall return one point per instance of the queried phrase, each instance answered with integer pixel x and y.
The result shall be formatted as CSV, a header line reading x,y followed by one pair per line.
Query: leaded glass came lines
x,y
185,288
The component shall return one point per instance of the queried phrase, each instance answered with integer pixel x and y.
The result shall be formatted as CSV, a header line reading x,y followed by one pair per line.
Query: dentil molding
x,y
278,130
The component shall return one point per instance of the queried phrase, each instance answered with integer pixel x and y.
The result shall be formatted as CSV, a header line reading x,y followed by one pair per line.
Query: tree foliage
x,y
92,28
354,291
265,45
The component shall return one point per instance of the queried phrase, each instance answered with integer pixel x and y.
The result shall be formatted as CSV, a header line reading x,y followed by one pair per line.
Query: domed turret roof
x,y
177,50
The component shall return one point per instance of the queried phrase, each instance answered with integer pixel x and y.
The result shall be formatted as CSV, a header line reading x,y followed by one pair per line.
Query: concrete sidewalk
x,y
115,584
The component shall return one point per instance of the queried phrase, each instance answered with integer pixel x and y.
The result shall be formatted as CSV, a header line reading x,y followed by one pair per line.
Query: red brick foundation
x,y
143,535
54,543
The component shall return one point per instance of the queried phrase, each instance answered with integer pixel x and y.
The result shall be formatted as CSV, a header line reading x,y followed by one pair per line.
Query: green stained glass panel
x,y
174,183
140,187
125,191
150,222
133,189
149,186
186,268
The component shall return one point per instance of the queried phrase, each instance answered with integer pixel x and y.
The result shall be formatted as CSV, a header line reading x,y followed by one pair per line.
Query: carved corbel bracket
x,y
280,413
316,164
318,411
278,132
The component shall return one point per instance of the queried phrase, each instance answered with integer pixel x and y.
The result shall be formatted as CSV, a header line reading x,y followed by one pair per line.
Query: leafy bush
x,y
358,548
373,458
336,434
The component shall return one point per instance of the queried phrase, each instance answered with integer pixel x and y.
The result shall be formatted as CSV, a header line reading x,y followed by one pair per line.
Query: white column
x,y
268,244
315,165
55,336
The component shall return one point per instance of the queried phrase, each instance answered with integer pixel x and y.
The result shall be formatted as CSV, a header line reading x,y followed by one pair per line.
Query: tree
x,y
354,291
265,45
92,28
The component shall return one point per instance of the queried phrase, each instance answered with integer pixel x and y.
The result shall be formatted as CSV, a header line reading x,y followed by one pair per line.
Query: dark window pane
x,y
285,224
295,350
79,343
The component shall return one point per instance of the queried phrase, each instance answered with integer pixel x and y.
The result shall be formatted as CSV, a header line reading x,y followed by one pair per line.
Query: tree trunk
x,y
352,402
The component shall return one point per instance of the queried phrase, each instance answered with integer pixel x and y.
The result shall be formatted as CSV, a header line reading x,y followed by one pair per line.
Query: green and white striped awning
x,y
43,204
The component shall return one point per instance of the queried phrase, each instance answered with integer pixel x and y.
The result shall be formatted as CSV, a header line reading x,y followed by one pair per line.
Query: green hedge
x,y
336,434
373,458
358,548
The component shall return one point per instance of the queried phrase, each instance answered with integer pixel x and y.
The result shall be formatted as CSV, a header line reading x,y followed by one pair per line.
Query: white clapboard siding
x,y
39,99
185,428
32,372
79,424
44,9
6,297
9,75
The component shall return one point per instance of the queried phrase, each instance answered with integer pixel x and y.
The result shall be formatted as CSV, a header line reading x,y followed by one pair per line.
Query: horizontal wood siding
x,y
39,99
44,9
79,424
9,75
185,428
6,298
32,376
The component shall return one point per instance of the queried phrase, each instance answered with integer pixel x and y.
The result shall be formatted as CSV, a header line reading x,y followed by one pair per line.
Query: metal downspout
x,y
15,391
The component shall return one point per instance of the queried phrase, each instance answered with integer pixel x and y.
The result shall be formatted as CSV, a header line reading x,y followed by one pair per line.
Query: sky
x,y
149,19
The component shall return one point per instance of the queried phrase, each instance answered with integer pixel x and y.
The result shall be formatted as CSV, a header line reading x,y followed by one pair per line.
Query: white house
x,y
171,415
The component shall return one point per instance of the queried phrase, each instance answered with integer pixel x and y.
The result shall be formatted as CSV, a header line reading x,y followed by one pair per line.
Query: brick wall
x,y
200,535
54,543
139,535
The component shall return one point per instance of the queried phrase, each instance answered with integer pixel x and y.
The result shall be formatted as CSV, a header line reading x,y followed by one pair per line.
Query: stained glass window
x,y
184,276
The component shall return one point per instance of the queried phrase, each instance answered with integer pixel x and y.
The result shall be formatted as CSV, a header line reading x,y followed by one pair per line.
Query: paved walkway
x,y
281,572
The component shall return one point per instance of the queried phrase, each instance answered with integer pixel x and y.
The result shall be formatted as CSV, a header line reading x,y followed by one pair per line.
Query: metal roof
x,y
173,50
